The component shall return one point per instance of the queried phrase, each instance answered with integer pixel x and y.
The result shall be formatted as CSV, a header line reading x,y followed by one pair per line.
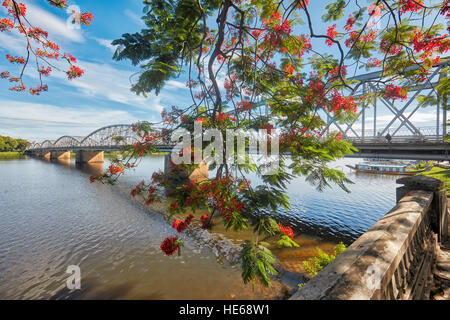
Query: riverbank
x,y
11,155
441,174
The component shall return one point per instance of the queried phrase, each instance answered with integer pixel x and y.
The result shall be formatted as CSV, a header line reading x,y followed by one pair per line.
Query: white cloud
x,y
176,84
56,27
106,43
137,19
38,121
104,80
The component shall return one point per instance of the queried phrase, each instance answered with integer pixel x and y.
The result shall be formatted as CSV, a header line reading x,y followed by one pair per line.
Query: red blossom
x,y
18,60
58,3
6,24
45,71
257,33
410,5
204,219
350,22
332,33
170,245
74,72
395,92
286,230
115,169
289,69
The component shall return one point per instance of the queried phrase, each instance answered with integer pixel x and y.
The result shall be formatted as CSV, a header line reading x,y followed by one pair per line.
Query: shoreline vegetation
x,y
12,155
441,174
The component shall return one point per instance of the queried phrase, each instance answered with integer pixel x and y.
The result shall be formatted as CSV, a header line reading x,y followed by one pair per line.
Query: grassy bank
x,y
11,155
440,173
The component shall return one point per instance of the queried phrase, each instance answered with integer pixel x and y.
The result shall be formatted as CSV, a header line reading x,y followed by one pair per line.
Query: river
x,y
51,217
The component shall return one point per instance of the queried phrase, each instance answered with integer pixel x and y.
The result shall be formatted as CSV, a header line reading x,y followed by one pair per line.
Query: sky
x,y
102,96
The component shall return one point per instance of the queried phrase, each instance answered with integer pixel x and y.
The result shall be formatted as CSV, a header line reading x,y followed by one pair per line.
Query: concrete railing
x,y
393,259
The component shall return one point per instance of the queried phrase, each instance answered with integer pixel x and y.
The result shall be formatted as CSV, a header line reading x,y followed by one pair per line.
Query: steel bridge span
x,y
404,145
378,119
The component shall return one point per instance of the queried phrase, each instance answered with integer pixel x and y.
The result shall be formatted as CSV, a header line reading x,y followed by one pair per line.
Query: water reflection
x,y
52,217
95,168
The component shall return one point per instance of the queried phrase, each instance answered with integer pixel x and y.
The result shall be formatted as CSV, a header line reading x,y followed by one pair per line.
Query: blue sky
x,y
101,97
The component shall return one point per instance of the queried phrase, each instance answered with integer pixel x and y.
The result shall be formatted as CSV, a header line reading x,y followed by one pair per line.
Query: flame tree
x,y
41,53
259,64
271,64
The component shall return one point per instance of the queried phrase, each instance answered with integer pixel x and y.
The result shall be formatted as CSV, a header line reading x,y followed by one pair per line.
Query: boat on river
x,y
390,167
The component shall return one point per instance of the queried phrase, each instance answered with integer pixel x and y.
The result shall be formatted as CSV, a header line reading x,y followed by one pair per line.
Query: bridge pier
x,y
85,156
44,154
60,155
199,174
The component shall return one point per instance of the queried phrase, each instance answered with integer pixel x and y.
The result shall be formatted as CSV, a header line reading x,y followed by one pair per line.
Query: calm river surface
x,y
52,217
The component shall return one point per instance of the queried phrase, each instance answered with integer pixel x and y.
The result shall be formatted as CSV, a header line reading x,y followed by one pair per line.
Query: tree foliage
x,y
315,264
41,52
257,64
11,144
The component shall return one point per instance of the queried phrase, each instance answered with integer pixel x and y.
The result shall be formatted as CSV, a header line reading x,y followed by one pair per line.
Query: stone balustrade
x,y
394,258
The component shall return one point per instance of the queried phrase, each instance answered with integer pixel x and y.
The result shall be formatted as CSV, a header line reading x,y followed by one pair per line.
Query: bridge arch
x,y
113,135
46,144
66,141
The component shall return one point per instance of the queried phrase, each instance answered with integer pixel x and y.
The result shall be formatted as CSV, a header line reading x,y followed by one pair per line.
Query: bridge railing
x,y
393,259
397,139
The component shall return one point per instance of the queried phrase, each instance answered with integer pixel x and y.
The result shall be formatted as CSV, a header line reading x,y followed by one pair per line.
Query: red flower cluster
x,y
332,33
289,69
244,105
137,189
410,5
222,117
4,75
181,225
394,92
429,44
36,33
373,62
350,22
388,47
204,219
69,58
170,245
58,3
257,33
340,103
86,18
115,169
18,88
18,60
353,38
286,230
51,55
45,71
51,45
21,8
276,30
74,72
6,24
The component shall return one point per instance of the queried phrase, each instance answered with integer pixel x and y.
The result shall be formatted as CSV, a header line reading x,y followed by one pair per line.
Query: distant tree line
x,y
11,144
